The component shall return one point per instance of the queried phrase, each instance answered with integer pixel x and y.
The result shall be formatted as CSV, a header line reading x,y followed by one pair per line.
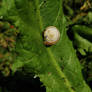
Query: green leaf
x,y
57,65
83,37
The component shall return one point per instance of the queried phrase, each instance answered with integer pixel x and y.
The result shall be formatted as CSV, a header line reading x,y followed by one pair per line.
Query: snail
x,y
51,35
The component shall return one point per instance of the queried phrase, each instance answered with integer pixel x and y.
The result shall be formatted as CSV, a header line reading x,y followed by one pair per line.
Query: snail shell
x,y
51,35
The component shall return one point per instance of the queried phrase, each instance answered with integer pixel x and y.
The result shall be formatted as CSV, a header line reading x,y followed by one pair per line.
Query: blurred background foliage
x,y
79,28
8,34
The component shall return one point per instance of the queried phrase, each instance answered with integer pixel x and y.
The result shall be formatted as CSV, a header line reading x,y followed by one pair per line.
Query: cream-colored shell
x,y
51,35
